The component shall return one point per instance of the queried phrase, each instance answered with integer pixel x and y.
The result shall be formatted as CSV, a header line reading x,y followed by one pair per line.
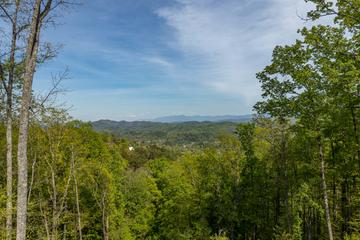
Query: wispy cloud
x,y
157,60
224,43
163,57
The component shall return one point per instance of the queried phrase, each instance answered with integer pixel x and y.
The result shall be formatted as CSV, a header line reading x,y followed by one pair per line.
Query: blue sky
x,y
140,59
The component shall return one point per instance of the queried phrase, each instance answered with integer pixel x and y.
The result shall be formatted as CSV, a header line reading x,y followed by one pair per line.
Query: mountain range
x,y
173,130
200,118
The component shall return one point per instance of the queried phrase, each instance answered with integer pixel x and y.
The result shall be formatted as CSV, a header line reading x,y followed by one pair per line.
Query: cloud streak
x,y
224,43
163,57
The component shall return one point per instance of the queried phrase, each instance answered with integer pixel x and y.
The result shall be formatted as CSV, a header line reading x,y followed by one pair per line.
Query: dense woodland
x,y
183,134
290,173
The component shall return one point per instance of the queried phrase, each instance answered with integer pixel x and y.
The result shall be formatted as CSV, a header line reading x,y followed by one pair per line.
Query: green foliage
x,y
257,180
141,197
219,237
188,134
314,83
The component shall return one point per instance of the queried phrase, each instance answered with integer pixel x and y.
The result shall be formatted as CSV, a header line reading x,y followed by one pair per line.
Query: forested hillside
x,y
180,134
292,173
199,118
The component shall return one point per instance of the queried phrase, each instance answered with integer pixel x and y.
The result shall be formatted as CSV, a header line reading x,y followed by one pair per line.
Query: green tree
x,y
315,82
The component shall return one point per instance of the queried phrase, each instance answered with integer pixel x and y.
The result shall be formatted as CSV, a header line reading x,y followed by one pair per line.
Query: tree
x,y
346,13
39,14
313,81
7,76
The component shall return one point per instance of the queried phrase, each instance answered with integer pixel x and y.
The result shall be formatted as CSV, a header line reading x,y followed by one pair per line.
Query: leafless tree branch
x,y
7,14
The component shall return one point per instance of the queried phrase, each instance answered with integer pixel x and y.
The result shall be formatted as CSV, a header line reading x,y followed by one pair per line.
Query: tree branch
x,y
7,14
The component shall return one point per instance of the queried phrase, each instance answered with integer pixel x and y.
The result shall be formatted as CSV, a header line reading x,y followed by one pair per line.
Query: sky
x,y
141,59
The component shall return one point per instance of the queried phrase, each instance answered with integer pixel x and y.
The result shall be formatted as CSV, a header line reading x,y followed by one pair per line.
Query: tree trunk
x,y
32,177
30,63
64,232
54,204
105,220
9,143
76,195
344,209
9,173
357,141
78,208
323,183
284,162
46,224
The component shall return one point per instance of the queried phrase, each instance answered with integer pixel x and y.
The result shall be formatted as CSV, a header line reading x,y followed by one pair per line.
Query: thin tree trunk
x,y
76,195
9,143
30,63
57,209
284,161
9,173
32,178
333,183
323,183
105,221
46,224
344,209
9,169
78,208
54,205
357,141
64,232
107,227
54,192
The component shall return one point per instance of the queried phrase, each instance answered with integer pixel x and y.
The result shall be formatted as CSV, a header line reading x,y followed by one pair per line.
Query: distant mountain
x,y
198,118
174,133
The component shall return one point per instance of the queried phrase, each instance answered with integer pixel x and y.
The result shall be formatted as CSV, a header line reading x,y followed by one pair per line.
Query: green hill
x,y
186,133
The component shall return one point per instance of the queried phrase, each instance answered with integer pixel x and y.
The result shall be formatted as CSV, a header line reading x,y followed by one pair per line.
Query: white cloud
x,y
224,43
157,60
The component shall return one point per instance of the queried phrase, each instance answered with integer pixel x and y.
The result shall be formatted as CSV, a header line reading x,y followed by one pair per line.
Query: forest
x,y
185,134
292,172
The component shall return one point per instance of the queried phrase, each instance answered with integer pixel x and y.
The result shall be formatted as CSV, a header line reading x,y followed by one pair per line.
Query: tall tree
x,y
313,81
29,64
40,12
8,75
